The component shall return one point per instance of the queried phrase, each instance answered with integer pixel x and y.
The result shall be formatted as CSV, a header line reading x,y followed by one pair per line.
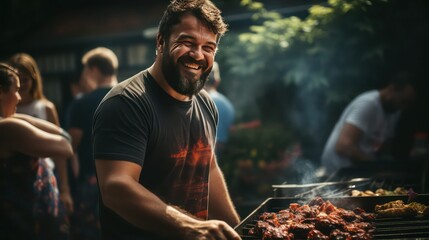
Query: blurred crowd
x,y
48,183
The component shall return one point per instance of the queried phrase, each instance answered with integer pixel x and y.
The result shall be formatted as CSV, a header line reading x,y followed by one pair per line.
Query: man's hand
x,y
212,229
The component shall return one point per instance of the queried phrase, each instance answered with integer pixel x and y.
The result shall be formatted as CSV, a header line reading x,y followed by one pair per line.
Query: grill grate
x,y
399,228
386,228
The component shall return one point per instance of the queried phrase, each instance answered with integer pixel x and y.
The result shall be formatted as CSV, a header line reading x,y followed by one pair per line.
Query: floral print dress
x,y
29,201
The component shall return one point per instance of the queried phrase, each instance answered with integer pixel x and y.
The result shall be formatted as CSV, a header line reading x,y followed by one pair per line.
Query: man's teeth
x,y
193,66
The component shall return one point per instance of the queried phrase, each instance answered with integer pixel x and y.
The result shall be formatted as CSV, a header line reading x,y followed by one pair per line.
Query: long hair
x,y
25,64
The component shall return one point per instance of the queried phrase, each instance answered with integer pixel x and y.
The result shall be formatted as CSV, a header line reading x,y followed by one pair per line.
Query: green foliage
x,y
300,73
332,44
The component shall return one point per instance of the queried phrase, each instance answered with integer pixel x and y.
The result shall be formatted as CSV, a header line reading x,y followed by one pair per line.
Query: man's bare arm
x,y
143,209
220,204
348,143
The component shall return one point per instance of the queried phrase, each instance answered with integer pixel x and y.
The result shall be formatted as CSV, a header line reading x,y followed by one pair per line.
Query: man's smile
x,y
192,66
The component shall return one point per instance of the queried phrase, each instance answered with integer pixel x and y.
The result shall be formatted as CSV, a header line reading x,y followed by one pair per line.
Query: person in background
x,y
367,124
225,108
77,88
34,103
29,197
100,67
154,139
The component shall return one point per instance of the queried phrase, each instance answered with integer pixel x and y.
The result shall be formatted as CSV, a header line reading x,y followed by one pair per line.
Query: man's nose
x,y
197,53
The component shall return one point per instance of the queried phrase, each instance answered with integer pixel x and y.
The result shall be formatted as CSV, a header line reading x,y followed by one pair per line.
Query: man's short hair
x,y
103,59
204,10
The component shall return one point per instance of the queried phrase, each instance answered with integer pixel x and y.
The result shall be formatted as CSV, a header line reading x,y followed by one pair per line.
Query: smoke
x,y
309,116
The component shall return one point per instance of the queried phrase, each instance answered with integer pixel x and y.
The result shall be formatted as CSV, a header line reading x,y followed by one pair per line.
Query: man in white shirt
x,y
366,123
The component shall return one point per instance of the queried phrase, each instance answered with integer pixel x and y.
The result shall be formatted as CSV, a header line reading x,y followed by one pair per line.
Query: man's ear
x,y
159,43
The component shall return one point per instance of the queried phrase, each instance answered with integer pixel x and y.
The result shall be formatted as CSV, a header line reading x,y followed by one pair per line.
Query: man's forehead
x,y
190,23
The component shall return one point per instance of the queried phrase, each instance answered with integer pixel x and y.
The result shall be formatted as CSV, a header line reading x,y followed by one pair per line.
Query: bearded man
x,y
154,138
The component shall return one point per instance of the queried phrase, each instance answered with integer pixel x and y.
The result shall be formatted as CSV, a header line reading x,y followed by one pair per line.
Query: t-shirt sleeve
x,y
209,103
120,131
362,115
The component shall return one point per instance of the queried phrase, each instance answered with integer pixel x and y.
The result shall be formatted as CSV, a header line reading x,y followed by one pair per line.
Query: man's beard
x,y
181,84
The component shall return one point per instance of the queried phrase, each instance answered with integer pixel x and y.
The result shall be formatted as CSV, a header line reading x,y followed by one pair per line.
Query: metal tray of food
x,y
302,190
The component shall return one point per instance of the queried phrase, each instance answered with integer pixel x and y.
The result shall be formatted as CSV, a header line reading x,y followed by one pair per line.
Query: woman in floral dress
x,y
29,197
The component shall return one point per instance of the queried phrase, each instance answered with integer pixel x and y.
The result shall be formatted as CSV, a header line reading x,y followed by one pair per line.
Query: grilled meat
x,y
317,220
316,235
400,209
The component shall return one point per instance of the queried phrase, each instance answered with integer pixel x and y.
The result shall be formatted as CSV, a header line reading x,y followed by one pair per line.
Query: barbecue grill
x,y
386,228
386,175
411,173
338,189
323,189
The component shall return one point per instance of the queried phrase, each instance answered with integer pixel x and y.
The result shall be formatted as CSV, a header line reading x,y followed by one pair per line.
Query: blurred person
x,y
154,139
99,68
225,108
29,196
34,103
78,88
367,124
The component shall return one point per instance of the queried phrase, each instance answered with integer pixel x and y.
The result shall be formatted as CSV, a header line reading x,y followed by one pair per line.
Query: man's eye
x,y
209,49
187,43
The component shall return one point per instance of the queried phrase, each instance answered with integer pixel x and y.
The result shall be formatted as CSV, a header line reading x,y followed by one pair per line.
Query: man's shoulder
x,y
207,101
205,97
367,99
128,86
371,95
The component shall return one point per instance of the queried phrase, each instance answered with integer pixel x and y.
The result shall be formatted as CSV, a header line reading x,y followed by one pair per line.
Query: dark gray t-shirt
x,y
173,142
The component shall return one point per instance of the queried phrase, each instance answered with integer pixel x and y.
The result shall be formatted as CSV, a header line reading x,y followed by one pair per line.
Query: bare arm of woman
x,y
63,184
51,113
39,123
76,136
60,163
19,135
